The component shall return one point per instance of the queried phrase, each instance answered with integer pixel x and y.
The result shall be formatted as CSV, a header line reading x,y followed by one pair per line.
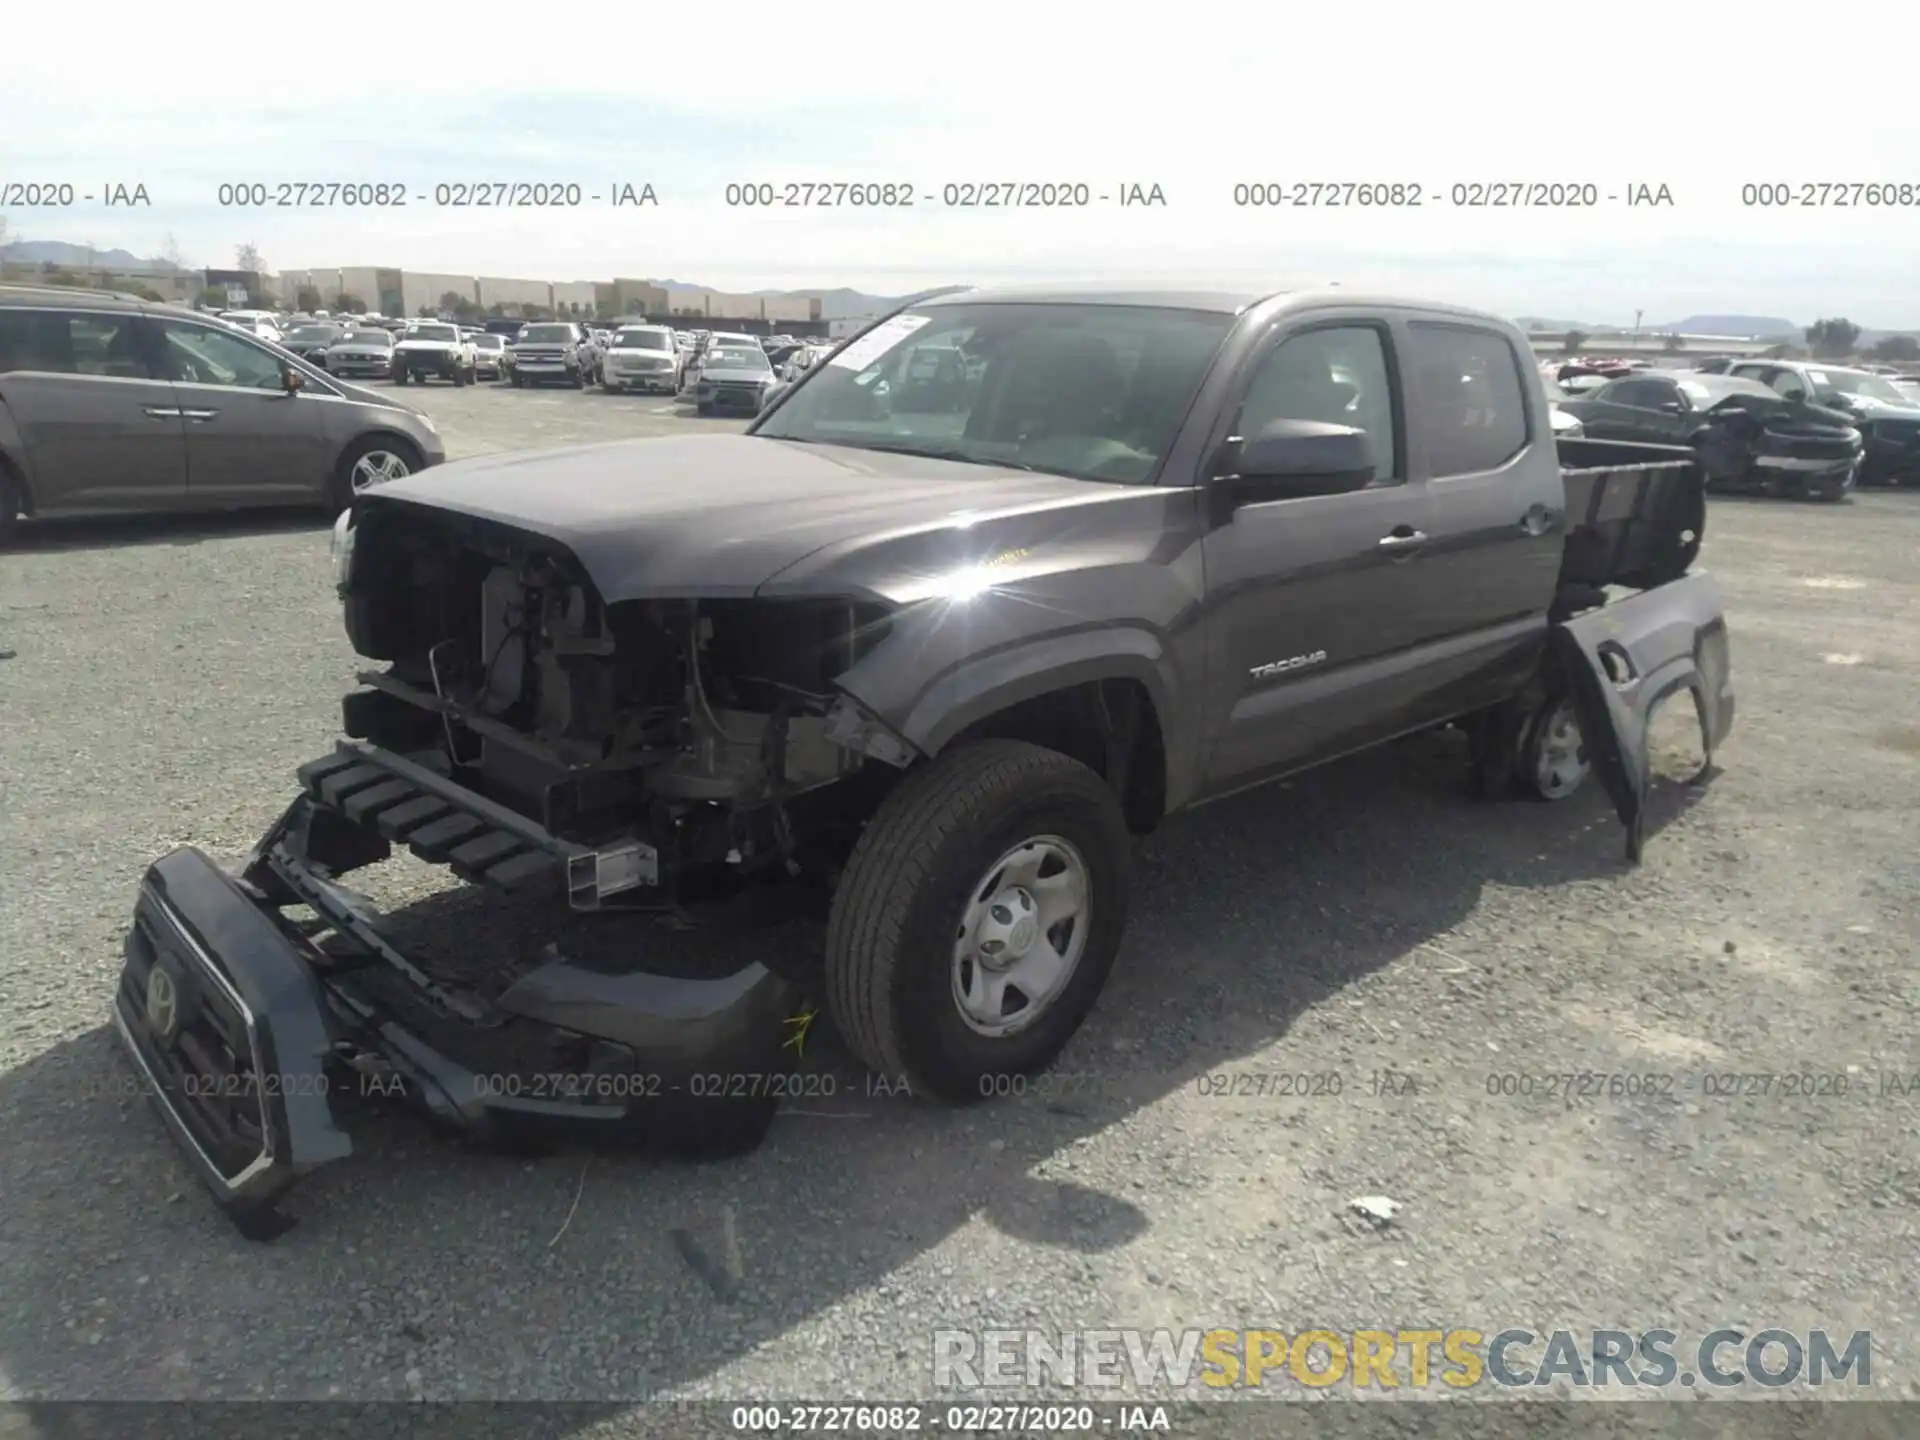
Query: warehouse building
x,y
424,293
511,295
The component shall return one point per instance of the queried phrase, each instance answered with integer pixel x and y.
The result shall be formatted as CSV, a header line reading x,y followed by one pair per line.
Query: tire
x,y
610,389
515,381
579,378
342,488
893,974
400,376
12,503
1553,763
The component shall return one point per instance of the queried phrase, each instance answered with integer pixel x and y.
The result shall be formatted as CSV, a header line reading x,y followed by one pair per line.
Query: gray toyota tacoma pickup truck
x,y
1010,579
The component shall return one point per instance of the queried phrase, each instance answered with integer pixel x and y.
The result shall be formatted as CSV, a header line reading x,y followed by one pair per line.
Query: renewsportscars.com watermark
x,y
1418,1359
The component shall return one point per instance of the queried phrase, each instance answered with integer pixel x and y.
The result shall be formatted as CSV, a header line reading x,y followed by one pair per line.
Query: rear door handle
x,y
1403,538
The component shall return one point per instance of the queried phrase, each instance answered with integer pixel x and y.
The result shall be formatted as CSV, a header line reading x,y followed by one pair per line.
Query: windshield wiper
x,y
948,453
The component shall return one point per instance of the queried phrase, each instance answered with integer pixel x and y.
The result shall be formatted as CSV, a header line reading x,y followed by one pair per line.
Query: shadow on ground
x,y
75,533
1246,913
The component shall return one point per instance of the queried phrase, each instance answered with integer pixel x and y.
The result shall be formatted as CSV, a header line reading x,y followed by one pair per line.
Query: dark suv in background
x,y
113,405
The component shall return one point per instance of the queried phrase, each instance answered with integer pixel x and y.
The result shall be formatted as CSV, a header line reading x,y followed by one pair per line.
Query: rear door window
x,y
72,343
1473,404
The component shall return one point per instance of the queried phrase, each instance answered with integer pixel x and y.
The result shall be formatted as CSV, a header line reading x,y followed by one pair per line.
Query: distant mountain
x,y
841,304
1744,327
59,252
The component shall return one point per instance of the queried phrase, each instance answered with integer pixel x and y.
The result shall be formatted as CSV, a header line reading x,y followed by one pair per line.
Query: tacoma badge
x,y
1280,667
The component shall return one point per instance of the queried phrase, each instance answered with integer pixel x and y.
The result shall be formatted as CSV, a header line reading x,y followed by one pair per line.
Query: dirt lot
x,y
1363,920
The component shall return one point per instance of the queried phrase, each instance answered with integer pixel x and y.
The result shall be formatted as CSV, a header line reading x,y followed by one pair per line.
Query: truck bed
x,y
1635,514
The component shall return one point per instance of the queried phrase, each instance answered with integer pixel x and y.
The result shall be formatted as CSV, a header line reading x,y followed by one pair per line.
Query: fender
x,y
1624,660
983,684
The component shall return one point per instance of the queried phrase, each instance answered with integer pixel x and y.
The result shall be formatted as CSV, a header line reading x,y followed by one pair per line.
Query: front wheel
x,y
368,464
11,504
400,377
978,918
1553,754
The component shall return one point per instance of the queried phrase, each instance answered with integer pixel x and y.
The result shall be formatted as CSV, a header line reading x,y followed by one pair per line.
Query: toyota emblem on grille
x,y
163,1003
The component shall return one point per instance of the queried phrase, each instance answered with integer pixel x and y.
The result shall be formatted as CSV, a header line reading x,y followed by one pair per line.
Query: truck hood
x,y
721,515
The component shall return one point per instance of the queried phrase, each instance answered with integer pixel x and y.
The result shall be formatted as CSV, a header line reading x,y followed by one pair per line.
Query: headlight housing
x,y
342,550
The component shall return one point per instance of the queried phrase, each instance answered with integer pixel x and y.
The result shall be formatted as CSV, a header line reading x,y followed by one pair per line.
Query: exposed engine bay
x,y
699,726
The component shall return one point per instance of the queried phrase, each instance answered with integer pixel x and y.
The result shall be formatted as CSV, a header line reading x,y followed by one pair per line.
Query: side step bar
x,y
483,842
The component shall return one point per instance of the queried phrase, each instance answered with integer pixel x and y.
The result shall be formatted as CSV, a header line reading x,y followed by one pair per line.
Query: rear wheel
x,y
978,918
369,464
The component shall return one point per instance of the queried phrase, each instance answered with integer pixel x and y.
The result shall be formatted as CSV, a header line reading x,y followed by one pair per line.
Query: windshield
x,y
488,342
1096,392
735,357
642,340
433,332
375,338
1830,383
549,334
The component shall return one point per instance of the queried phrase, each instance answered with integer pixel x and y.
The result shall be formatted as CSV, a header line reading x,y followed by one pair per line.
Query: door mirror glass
x,y
1293,458
291,379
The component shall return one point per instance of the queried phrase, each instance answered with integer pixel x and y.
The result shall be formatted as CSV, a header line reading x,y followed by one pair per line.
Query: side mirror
x,y
1672,407
291,380
1292,459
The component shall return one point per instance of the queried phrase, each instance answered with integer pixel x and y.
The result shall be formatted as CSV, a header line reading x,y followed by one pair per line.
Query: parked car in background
x,y
552,350
1888,417
735,378
258,323
1747,436
113,405
641,358
1566,425
704,344
312,341
504,327
367,351
433,348
492,359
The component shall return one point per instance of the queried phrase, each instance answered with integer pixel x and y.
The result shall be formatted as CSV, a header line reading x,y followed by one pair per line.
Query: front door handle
x,y
162,412
199,414
1403,538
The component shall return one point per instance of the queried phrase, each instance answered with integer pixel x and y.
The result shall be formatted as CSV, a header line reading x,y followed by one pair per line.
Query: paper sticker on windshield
x,y
878,341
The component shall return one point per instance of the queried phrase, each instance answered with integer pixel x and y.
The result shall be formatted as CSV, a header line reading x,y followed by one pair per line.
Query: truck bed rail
x,y
1636,514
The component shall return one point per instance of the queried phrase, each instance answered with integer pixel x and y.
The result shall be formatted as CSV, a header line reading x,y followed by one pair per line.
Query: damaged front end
x,y
1783,447
628,765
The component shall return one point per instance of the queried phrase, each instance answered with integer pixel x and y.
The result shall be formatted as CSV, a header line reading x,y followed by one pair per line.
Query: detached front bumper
x,y
249,1032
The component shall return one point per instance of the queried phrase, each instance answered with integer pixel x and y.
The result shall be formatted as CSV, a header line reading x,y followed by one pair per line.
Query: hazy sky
x,y
1207,98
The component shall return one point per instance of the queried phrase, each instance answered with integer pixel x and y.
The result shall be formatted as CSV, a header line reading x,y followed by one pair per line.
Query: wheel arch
x,y
1102,697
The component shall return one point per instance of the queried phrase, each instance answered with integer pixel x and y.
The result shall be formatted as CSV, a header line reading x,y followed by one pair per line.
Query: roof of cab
x,y
1218,301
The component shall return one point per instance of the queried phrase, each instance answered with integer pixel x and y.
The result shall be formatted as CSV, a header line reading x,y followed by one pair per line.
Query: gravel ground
x,y
1362,920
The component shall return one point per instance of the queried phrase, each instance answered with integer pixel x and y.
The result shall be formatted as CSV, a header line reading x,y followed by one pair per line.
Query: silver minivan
x,y
114,405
